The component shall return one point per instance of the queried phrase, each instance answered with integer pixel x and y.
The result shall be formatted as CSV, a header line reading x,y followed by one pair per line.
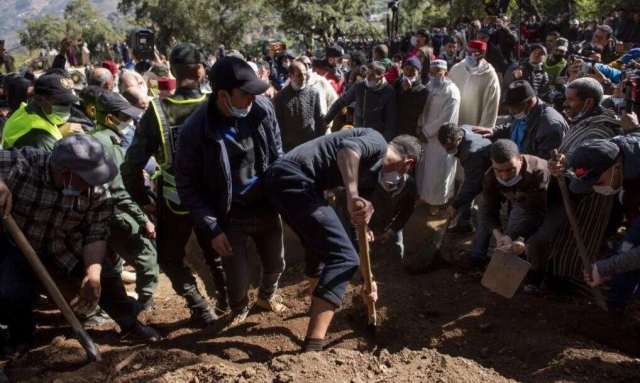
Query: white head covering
x,y
439,64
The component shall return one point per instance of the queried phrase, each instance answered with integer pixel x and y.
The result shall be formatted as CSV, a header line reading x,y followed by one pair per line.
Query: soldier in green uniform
x,y
131,231
157,135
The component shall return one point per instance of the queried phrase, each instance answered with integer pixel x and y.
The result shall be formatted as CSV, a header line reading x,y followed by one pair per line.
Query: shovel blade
x,y
420,260
93,354
505,273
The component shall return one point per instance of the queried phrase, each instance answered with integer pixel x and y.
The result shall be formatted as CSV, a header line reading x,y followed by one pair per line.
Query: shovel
x,y
577,235
365,267
419,261
93,354
506,271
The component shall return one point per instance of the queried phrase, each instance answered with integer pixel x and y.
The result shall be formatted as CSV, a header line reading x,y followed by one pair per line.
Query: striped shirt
x,y
57,226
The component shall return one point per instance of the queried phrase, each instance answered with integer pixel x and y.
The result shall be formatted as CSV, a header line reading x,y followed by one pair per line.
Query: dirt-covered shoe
x,y
274,304
202,315
147,304
236,318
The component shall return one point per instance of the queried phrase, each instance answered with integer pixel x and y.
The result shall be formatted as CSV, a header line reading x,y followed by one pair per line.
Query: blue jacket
x,y
203,173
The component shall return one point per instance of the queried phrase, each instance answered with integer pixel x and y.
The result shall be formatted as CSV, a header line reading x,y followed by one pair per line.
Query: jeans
x,y
18,284
266,233
330,254
624,286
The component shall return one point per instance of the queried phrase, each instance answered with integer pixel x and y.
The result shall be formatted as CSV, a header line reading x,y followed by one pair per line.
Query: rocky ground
x,y
443,326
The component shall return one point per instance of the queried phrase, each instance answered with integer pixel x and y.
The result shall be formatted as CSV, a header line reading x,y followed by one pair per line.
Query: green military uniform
x,y
128,237
157,135
28,126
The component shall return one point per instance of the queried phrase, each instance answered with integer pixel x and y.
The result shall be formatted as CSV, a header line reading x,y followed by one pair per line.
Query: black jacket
x,y
474,153
409,106
545,130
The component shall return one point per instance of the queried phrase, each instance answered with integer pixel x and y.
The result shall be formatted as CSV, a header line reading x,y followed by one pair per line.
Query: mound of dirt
x,y
339,365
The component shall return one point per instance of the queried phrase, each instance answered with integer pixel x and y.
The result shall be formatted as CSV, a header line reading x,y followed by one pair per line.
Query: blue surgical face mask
x,y
68,190
236,112
511,182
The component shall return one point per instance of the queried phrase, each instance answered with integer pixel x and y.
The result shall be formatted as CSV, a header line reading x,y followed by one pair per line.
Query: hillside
x,y
15,12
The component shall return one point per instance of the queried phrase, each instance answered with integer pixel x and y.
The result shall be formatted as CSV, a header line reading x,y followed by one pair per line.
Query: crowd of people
x,y
123,162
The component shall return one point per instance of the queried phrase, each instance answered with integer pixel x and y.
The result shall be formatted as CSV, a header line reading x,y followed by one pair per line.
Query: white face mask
x,y
511,182
145,89
125,127
412,79
286,65
339,66
436,81
617,100
390,180
471,61
607,190
295,86
414,41
372,84
522,115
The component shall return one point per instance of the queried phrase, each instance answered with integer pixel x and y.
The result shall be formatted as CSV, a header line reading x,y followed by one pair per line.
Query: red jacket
x,y
338,85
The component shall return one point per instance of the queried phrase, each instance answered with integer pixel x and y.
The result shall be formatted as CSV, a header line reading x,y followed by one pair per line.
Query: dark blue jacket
x,y
203,174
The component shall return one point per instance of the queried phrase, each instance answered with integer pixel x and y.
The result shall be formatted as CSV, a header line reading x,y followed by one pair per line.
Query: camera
x,y
587,64
142,42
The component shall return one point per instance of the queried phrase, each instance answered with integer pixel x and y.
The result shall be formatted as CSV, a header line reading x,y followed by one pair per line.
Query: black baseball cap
x,y
186,53
589,161
518,92
111,102
56,86
538,46
335,51
232,72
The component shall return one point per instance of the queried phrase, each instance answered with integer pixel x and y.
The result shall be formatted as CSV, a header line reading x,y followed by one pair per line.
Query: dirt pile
x,y
339,365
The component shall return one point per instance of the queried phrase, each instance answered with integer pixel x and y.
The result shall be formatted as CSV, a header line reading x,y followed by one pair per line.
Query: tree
x,y
45,32
80,19
309,20
203,22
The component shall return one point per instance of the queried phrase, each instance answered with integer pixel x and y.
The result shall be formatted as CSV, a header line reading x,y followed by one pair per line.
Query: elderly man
x,y
553,246
131,79
436,174
327,94
136,97
531,71
298,109
375,103
535,127
102,77
60,201
478,81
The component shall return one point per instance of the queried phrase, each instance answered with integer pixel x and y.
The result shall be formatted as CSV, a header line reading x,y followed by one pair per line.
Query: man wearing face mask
x,y
411,96
60,201
531,71
553,247
157,135
556,62
298,110
611,167
375,103
418,40
43,121
535,127
225,148
131,230
478,82
522,180
295,186
474,153
327,94
283,63
331,67
436,174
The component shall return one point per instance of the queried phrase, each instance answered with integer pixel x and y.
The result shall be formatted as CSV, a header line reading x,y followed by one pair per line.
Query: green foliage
x,y
80,19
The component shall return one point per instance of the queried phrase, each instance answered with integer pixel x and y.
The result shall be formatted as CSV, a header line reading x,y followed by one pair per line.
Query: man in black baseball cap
x,y
157,135
233,140
331,67
44,120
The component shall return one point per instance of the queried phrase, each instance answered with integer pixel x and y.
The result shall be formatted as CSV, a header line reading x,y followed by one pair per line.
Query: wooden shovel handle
x,y
365,264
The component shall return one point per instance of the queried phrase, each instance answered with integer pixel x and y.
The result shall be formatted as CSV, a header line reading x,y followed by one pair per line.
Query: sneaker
x,y
141,332
97,318
274,304
147,304
237,318
460,229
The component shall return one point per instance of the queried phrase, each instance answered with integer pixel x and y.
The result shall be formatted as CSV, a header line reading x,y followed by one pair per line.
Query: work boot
x,y
141,332
274,304
202,315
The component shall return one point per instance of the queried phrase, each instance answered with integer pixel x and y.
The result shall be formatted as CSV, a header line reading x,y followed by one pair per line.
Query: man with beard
x,y
331,67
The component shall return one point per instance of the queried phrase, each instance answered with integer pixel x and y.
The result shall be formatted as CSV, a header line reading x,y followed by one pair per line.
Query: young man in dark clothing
x,y
225,147
522,180
295,184
474,153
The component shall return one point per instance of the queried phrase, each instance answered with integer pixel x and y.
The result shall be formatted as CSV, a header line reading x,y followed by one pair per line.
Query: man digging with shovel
x,y
294,185
60,201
